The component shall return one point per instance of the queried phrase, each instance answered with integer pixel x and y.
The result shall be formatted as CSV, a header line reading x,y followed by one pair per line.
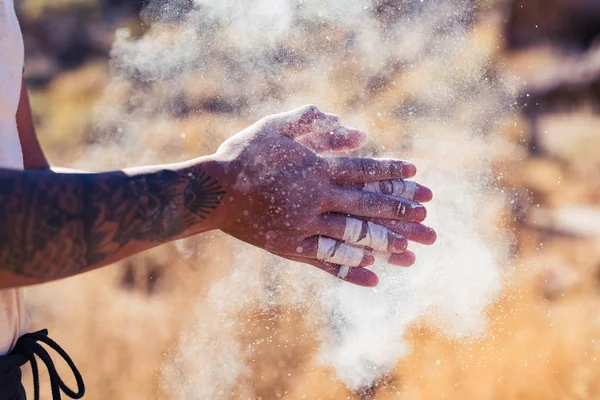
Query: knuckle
x,y
395,168
270,118
270,122
311,108
335,167
323,164
335,140
366,166
334,119
327,224
310,111
331,163
325,202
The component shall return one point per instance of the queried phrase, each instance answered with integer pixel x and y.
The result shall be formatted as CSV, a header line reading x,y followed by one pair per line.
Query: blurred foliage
x,y
36,8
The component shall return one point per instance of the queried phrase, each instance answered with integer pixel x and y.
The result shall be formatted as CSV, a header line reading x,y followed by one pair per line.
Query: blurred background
x,y
538,68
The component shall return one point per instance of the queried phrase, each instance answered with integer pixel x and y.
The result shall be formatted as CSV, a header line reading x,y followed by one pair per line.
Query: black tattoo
x,y
202,195
54,225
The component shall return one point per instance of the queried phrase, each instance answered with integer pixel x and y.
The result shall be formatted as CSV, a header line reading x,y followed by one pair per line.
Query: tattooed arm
x,y
56,225
266,186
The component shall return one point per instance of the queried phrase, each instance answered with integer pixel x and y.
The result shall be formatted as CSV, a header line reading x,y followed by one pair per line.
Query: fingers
x,y
305,120
358,276
335,226
400,188
413,231
336,252
404,259
396,187
387,246
319,131
423,194
361,233
353,170
366,204
339,139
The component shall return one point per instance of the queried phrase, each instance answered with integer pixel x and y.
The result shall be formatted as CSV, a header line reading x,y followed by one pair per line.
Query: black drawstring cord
x,y
28,346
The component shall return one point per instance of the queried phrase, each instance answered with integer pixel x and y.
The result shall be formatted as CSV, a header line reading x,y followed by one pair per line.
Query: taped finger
x,y
357,170
336,252
395,187
366,234
413,231
357,276
373,205
355,231
343,272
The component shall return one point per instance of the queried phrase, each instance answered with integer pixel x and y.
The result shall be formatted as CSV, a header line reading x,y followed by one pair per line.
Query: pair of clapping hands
x,y
336,213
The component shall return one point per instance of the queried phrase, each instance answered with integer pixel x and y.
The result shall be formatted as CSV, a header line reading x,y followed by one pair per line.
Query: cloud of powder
x,y
251,58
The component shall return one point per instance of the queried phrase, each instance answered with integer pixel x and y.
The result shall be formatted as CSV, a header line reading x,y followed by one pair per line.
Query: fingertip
x,y
367,261
374,281
420,213
424,235
347,140
432,237
398,242
408,170
359,139
411,257
405,259
362,277
423,194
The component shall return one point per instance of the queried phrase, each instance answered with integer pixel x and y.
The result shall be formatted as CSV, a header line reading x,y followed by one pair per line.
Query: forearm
x,y
56,225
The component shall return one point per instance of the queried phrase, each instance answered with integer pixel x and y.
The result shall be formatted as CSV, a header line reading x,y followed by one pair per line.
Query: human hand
x,y
285,198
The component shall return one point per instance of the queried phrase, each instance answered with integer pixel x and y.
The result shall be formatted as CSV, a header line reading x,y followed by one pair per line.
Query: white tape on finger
x,y
376,236
373,187
348,256
353,230
400,188
379,237
325,248
384,256
409,188
344,255
343,273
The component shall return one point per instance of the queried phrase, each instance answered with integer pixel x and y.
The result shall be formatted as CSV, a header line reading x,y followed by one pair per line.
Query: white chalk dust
x,y
416,78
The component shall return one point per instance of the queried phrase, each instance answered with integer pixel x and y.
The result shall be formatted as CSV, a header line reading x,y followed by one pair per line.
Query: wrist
x,y
207,194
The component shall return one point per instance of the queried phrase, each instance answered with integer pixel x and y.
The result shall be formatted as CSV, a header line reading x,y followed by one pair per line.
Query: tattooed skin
x,y
54,225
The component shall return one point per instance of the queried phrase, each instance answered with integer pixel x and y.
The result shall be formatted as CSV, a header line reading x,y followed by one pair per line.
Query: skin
x,y
266,186
33,156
